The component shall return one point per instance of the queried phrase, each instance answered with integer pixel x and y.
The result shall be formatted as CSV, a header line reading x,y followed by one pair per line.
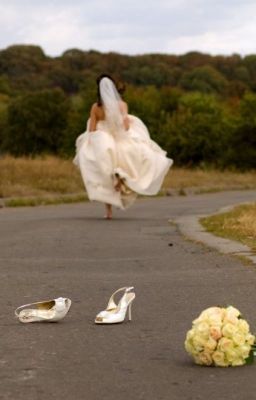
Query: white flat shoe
x,y
50,310
114,313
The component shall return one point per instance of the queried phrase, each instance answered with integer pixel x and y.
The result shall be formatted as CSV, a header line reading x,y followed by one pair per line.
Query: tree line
x,y
200,108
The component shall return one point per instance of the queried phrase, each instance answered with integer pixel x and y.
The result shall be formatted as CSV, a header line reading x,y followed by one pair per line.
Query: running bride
x,y
116,157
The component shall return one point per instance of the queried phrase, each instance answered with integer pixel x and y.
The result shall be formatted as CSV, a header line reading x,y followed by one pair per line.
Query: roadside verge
x,y
191,228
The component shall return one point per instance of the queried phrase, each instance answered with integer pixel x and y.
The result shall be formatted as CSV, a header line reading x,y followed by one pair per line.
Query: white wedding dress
x,y
107,153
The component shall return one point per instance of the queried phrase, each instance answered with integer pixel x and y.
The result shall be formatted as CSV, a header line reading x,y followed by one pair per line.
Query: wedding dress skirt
x,y
131,155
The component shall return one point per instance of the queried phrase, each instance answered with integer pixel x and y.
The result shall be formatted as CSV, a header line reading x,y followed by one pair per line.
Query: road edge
x,y
190,227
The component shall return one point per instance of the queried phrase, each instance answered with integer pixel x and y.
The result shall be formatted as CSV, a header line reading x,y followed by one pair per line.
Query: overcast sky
x,y
131,27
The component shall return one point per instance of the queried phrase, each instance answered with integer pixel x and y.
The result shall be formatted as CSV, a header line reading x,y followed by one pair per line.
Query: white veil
x,y
111,101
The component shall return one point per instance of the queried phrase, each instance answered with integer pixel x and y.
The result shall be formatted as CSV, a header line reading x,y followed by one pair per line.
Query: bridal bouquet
x,y
220,337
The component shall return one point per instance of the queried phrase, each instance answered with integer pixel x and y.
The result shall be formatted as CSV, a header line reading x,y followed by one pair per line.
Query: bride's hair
x,y
120,87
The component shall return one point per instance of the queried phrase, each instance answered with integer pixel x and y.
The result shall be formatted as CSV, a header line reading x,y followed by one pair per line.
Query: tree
x,y
21,59
78,115
37,122
195,133
4,103
242,143
204,79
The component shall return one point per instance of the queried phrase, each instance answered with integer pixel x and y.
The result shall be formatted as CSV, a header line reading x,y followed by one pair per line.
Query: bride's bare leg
x,y
108,211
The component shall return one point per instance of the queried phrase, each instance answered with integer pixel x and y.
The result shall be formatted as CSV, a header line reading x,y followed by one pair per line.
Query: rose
x,y
238,362
231,355
215,332
250,339
190,348
197,360
219,359
243,326
232,312
202,329
232,315
198,342
243,350
190,334
189,342
215,320
238,355
212,311
205,358
238,339
225,344
210,345
235,357
229,330
194,342
212,316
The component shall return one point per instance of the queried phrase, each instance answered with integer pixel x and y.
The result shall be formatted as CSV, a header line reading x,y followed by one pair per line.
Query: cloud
x,y
133,27
232,33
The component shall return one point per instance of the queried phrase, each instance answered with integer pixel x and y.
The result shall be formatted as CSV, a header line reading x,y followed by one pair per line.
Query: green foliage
x,y
205,79
78,114
242,144
194,133
64,78
4,85
200,108
20,60
250,64
4,103
36,123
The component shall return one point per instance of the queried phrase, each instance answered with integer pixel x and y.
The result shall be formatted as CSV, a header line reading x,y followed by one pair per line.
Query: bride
x,y
116,157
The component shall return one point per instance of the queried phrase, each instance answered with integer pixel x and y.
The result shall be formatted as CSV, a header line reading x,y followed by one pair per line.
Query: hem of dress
x,y
104,196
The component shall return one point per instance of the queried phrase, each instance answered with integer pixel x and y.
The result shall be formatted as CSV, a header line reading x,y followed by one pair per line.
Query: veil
x,y
111,102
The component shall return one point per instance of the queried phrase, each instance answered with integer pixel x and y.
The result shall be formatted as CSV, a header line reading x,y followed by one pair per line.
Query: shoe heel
x,y
130,312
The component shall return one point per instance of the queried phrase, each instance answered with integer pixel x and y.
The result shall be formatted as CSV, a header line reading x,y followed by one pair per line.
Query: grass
x,y
209,180
44,180
238,224
26,177
44,200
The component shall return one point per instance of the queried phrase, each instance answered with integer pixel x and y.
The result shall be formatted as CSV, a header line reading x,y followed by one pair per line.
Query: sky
x,y
131,27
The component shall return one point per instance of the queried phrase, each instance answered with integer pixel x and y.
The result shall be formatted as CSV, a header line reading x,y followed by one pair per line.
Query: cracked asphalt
x,y
69,250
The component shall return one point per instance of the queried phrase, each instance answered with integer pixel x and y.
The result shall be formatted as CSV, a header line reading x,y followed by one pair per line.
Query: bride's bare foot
x,y
118,183
108,214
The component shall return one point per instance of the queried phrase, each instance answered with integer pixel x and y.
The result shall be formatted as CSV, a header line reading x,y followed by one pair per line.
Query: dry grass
x,y
47,176
209,180
238,224
22,177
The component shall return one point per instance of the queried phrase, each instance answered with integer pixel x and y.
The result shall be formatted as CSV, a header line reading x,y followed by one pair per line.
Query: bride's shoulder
x,y
96,110
94,107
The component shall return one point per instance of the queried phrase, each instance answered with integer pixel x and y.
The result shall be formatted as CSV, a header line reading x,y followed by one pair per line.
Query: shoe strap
x,y
111,304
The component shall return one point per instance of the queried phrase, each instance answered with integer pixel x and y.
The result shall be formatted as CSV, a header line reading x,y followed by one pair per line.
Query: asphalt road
x,y
70,251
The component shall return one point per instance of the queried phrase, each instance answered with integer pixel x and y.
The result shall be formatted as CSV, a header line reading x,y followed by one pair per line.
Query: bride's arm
x,y
124,109
93,119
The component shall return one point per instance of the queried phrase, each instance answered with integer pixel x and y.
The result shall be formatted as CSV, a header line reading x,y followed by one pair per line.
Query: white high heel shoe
x,y
50,310
114,313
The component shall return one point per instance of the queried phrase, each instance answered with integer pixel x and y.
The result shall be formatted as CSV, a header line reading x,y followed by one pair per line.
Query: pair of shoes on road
x,y
56,309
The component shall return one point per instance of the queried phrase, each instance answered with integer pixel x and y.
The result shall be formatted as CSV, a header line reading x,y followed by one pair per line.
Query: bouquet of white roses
x,y
220,337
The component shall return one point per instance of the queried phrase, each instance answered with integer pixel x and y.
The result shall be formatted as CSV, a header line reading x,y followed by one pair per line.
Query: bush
x,y
242,143
195,133
36,123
